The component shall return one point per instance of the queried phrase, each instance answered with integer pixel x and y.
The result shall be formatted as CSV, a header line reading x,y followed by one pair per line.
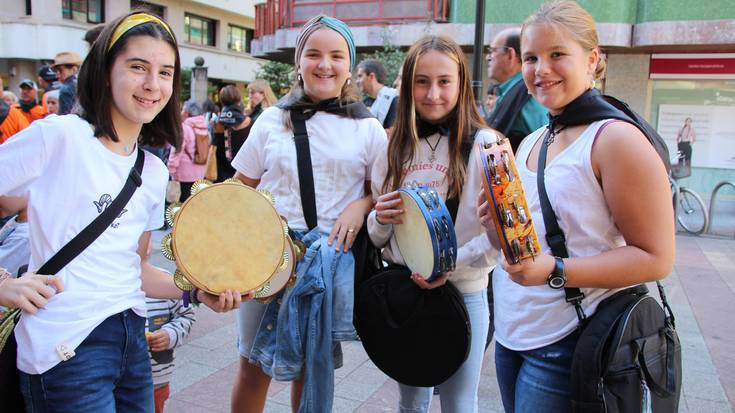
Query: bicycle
x,y
689,208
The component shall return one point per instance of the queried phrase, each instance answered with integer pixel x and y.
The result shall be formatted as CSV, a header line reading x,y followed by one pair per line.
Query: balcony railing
x,y
279,14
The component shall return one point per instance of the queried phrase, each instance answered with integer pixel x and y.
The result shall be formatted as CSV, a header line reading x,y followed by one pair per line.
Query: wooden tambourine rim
x,y
275,288
254,280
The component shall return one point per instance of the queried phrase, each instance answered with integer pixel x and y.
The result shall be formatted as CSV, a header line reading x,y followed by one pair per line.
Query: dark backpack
x,y
627,358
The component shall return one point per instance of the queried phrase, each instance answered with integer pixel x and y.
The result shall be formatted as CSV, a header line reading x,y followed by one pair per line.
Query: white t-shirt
x,y
532,317
343,151
69,178
475,254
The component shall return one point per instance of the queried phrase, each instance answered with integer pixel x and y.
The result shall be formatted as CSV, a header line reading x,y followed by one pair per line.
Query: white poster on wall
x,y
713,141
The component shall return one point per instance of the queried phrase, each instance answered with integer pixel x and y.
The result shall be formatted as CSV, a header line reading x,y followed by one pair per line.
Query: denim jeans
x,y
459,392
110,373
536,380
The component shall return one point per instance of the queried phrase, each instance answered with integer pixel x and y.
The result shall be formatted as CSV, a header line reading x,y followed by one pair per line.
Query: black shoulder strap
x,y
508,109
303,163
92,231
554,235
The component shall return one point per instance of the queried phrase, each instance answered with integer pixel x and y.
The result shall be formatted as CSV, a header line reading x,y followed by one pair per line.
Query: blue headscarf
x,y
338,26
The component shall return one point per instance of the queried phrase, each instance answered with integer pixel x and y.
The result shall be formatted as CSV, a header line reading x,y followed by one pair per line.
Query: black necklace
x,y
432,157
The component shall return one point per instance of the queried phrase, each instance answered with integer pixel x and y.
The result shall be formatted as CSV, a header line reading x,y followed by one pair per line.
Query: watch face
x,y
556,282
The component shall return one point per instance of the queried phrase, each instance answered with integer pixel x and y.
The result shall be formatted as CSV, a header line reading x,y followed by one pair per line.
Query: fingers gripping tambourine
x,y
229,236
507,201
426,238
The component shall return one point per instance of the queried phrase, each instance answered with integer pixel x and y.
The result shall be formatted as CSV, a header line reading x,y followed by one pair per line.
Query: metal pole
x,y
478,57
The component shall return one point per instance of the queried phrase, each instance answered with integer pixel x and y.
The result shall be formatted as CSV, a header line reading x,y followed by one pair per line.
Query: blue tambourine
x,y
426,238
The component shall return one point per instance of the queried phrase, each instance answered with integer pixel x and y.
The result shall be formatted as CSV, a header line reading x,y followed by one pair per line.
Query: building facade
x,y
220,31
669,59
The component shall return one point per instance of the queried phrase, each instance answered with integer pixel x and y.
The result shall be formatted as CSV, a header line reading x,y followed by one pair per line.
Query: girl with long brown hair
x,y
431,144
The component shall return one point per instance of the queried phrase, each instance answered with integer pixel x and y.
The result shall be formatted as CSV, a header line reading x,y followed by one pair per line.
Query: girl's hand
x,y
421,281
226,301
531,271
347,226
30,292
388,209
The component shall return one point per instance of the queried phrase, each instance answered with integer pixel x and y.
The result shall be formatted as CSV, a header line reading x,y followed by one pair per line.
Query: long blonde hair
x,y
574,19
262,86
404,138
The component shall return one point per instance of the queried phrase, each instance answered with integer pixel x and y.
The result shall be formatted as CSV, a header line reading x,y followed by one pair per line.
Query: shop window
x,y
83,11
199,30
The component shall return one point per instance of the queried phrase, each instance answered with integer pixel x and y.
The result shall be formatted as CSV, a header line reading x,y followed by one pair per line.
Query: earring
x,y
298,77
593,84
349,81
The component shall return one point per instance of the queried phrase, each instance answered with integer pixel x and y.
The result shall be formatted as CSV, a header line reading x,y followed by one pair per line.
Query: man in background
x,y
382,99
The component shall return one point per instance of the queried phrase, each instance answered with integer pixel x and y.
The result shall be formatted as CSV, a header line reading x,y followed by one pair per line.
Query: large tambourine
x,y
426,238
504,193
229,236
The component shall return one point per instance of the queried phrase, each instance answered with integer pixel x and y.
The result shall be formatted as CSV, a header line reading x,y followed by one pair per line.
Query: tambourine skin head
x,y
426,238
228,236
507,200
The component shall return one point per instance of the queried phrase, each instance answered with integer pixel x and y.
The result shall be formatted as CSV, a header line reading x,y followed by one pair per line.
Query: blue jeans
x,y
459,392
536,380
110,373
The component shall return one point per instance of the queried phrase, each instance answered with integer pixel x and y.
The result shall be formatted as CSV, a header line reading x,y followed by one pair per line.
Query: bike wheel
x,y
692,213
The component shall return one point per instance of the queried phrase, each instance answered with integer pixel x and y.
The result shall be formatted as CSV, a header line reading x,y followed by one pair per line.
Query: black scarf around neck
x,y
426,129
27,106
588,107
299,101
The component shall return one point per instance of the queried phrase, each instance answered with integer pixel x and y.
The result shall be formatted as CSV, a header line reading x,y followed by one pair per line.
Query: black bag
x,y
628,355
417,337
9,376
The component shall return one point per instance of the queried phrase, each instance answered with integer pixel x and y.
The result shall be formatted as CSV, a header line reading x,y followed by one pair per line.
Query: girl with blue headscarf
x,y
296,337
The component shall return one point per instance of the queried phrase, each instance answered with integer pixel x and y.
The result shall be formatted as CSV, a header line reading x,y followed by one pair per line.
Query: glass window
x,y
83,11
239,39
199,30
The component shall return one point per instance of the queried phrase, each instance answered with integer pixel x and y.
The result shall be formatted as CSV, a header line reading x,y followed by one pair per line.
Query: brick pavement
x,y
701,291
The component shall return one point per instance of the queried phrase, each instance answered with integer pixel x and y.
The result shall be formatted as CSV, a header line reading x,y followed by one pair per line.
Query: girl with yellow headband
x,y
82,345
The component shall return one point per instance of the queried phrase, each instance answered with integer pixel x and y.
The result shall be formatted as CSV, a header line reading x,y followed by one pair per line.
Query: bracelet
x,y
377,220
185,298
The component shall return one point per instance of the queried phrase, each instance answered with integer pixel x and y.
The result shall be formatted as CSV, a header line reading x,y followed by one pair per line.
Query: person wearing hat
x,y
66,65
47,79
28,103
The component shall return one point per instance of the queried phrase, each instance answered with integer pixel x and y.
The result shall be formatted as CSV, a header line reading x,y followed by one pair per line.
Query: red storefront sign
x,y
693,66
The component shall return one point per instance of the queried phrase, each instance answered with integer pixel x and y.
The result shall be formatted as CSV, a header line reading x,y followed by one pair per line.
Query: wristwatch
x,y
558,278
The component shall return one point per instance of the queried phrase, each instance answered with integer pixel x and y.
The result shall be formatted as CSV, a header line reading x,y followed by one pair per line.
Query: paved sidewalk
x,y
701,291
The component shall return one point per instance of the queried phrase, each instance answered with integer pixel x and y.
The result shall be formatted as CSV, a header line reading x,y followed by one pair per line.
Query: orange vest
x,y
36,112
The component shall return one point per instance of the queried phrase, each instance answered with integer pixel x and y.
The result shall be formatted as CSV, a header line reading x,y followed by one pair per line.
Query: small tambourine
x,y
507,200
426,238
230,236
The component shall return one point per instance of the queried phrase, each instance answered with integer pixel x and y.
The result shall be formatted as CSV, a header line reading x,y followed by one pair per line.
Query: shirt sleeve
x,y
24,159
158,209
250,159
377,146
182,318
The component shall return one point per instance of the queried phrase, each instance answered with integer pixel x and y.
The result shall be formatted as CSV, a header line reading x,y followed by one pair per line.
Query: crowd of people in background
x,y
367,141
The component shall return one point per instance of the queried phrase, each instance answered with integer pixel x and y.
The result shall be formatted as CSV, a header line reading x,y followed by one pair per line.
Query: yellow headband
x,y
136,20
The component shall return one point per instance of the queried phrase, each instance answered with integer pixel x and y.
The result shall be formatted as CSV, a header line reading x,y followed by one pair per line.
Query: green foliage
x,y
391,57
279,75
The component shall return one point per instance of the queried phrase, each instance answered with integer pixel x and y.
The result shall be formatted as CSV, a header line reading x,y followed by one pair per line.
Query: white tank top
x,y
532,317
